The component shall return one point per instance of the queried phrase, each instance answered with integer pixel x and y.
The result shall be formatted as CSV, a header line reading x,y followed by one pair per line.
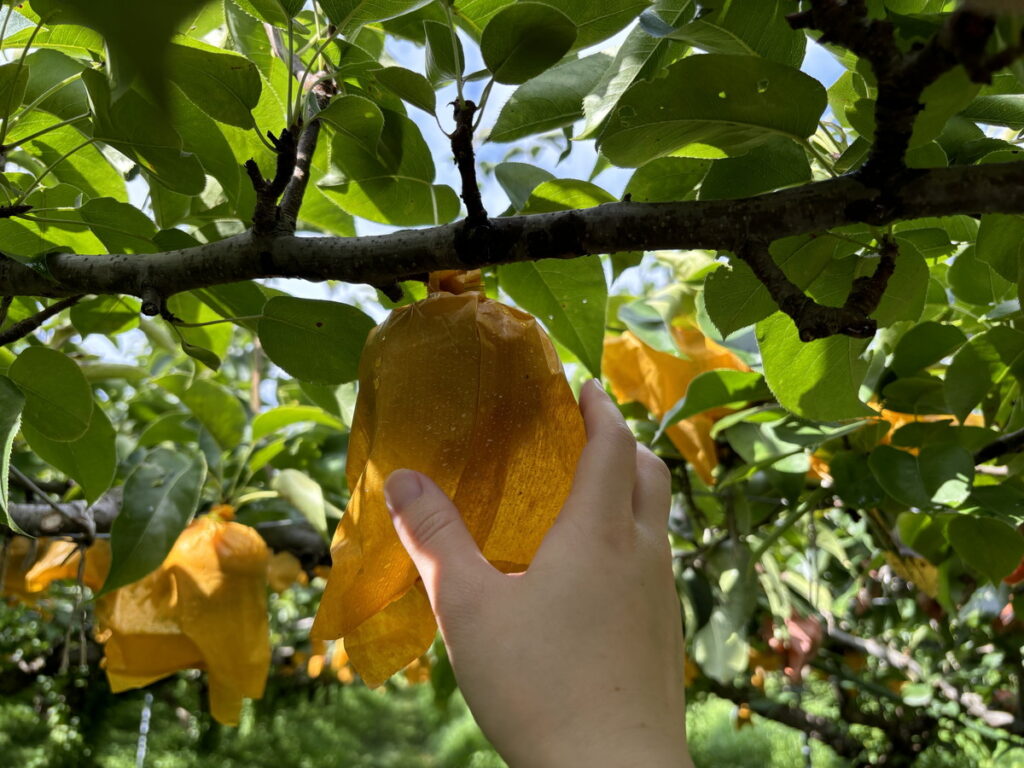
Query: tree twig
x,y
971,702
465,160
267,215
814,320
1012,442
24,327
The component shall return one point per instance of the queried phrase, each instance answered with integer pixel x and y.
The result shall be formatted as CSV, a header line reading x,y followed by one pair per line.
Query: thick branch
x,y
609,228
24,327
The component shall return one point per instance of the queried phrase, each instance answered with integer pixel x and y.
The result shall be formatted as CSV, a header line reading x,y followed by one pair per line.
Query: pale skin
x,y
579,660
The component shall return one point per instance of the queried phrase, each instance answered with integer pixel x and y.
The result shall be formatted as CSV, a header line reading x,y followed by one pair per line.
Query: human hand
x,y
579,660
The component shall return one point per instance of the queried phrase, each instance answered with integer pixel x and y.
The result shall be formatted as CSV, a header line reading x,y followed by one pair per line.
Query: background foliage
x,y
845,550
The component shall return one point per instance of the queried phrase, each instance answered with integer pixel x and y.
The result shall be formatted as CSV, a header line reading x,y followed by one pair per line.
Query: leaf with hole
x,y
712,105
313,340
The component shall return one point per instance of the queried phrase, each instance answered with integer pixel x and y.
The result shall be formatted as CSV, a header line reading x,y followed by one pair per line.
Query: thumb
x,y
433,533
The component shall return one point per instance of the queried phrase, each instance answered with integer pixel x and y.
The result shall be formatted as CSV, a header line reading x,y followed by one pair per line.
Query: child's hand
x,y
578,661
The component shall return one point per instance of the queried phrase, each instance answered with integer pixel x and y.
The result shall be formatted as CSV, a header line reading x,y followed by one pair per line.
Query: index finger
x,y
606,472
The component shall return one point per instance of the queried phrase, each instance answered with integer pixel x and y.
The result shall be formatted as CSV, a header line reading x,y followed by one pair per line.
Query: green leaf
x,y
568,296
746,27
391,183
938,475
597,21
189,308
224,85
667,180
160,496
719,648
393,199
137,128
1000,239
981,364
270,11
1001,109
90,461
348,15
975,281
105,315
305,494
990,546
338,400
943,99
46,70
818,379
716,389
553,99
58,399
312,340
13,82
519,180
779,163
357,119
712,105
409,86
445,59
202,354
137,34
735,298
216,407
169,427
121,227
854,482
905,293
564,195
924,345
638,58
12,401
275,419
525,39
648,324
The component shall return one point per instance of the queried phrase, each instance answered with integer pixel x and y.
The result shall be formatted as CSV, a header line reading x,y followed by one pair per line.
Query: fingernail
x,y
401,489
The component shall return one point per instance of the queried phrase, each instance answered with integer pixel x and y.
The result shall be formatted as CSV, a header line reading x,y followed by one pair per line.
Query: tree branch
x,y
610,228
25,327
814,320
266,217
462,149
1012,442
902,77
74,518
291,201
971,702
824,729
